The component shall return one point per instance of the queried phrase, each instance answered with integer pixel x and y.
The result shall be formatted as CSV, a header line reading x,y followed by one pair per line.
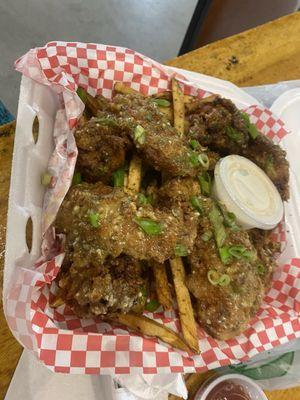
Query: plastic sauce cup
x,y
248,192
211,389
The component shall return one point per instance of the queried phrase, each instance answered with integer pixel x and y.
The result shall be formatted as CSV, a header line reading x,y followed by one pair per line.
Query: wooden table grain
x,y
265,54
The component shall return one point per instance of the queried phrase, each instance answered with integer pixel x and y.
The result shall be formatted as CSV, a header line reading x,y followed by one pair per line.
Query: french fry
x,y
149,327
162,285
124,89
186,312
193,383
178,105
194,104
134,175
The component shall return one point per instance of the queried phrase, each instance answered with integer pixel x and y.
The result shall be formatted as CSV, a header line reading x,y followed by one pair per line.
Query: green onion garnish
x,y
107,121
139,134
225,257
252,130
204,160
205,183
142,199
94,219
194,158
118,177
213,277
152,305
237,251
82,94
149,226
206,236
261,269
224,280
180,250
233,134
46,179
269,164
76,178
216,220
196,204
194,144
162,102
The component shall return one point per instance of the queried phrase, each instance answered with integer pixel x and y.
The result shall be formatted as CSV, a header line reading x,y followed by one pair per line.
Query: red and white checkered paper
x,y
62,341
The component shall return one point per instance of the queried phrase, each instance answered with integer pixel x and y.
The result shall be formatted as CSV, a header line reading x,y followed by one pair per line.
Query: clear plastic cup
x,y
248,192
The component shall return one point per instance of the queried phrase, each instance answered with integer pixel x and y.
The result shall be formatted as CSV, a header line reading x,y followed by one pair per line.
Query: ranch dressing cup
x,y
248,192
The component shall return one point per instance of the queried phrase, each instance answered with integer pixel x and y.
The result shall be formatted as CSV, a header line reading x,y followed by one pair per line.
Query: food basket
x,y
63,342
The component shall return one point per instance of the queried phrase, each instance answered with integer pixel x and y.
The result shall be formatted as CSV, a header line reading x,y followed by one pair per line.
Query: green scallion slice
x,y
224,280
82,94
216,220
180,250
149,226
46,179
77,178
261,269
162,102
118,177
194,158
252,130
204,160
225,256
142,199
194,144
205,183
197,204
94,219
213,277
139,134
237,251
107,122
206,236
152,305
233,134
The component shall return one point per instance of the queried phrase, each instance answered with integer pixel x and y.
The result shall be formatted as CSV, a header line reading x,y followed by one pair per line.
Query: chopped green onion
x,y
142,199
224,280
269,164
261,269
196,204
180,250
46,179
226,258
162,102
204,160
237,251
82,94
139,134
76,178
107,121
118,177
233,134
216,220
194,158
152,305
94,219
229,218
194,144
205,183
213,277
252,130
149,226
206,236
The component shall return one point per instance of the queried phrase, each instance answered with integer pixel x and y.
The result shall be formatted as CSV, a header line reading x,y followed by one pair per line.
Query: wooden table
x,y
265,54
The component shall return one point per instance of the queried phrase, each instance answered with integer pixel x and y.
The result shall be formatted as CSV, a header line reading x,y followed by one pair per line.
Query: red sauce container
x,y
230,387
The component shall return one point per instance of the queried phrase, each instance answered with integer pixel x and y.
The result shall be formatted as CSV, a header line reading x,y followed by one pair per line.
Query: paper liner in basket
x,y
68,344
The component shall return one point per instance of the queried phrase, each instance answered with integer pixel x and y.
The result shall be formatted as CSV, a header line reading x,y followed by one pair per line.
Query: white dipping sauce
x,y
248,192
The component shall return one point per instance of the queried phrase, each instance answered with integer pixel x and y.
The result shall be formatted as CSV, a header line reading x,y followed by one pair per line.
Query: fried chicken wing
x,y
101,149
115,285
219,125
224,307
101,221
